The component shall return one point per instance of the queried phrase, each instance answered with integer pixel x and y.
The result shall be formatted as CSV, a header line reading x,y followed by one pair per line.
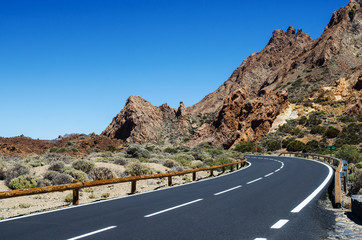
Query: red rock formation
x,y
246,104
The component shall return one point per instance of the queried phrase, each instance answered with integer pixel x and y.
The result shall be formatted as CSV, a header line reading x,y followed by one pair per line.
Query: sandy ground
x,y
37,203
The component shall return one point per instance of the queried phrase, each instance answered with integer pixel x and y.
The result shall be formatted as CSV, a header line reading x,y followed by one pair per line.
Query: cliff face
x,y
141,122
244,107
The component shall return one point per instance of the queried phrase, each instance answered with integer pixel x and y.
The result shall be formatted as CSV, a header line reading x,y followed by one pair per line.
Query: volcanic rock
x,y
244,107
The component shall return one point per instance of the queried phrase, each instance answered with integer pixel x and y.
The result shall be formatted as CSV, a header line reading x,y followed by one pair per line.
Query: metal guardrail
x,y
77,185
337,175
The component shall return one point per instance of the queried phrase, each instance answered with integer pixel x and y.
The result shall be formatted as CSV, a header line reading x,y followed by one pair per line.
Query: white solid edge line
x,y
277,170
260,239
254,180
279,224
227,190
127,196
315,192
172,208
92,233
269,174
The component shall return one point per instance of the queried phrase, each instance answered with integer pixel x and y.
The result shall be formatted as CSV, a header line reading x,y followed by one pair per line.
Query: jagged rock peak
x,y
345,14
181,111
280,37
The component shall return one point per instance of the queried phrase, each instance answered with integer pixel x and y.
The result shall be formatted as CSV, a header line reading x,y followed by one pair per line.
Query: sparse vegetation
x,y
245,147
136,168
137,151
83,165
23,181
101,173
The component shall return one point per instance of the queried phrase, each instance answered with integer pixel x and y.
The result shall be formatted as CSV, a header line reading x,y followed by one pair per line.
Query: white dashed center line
x,y
254,180
169,209
227,190
92,233
269,174
279,224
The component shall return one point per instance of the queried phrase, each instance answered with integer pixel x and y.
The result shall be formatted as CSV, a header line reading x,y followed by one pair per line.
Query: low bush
x,y
137,168
331,132
222,160
44,183
62,178
57,166
245,147
111,148
23,181
315,118
272,145
350,135
350,153
2,171
137,151
295,146
83,165
68,198
53,157
121,161
356,185
101,173
200,156
77,174
183,159
288,127
317,129
215,151
312,147
287,141
16,171
170,150
169,163
302,120
50,175
184,149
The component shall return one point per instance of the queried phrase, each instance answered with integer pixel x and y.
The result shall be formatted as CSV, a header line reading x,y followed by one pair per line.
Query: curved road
x,y
273,198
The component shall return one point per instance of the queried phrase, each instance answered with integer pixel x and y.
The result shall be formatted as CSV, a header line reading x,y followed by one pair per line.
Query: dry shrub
x,y
121,161
57,166
54,157
50,175
83,165
101,173
137,168
77,174
44,183
62,178
169,163
2,171
16,171
23,181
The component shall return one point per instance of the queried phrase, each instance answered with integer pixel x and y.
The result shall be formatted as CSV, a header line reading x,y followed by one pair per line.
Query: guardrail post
x,y
223,169
194,176
211,172
345,184
169,180
231,168
133,186
75,194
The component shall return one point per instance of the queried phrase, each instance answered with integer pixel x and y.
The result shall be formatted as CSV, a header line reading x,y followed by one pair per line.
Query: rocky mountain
x,y
292,66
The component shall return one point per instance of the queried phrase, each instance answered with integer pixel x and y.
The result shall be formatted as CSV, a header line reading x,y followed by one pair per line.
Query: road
x,y
274,198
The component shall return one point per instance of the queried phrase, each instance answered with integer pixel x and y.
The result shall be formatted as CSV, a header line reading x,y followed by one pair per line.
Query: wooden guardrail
x,y
77,185
337,175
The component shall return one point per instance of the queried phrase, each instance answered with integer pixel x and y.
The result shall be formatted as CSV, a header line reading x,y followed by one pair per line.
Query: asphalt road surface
x,y
273,198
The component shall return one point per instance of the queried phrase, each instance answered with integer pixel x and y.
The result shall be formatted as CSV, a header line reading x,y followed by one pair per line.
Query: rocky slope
x,y
75,145
244,107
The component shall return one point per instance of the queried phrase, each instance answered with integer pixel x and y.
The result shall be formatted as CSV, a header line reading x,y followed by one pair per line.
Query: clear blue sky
x,y
68,66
